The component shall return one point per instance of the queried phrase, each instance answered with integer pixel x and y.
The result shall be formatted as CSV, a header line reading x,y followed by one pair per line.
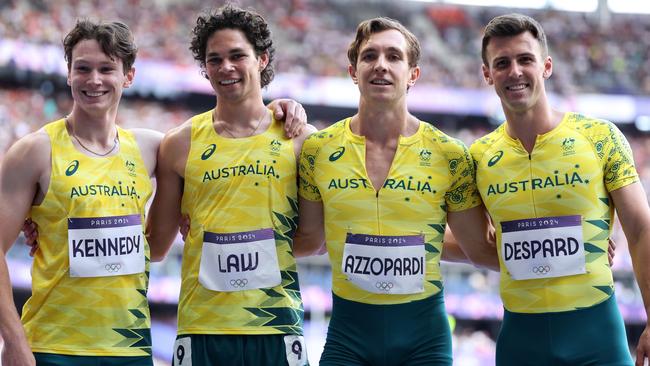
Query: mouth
x,y
380,82
94,94
229,81
517,87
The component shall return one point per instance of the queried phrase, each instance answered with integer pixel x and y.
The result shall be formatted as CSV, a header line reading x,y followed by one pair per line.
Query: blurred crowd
x,y
593,52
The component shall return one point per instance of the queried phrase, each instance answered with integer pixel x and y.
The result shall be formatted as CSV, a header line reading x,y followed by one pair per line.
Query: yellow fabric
x,y
99,316
430,174
235,185
570,172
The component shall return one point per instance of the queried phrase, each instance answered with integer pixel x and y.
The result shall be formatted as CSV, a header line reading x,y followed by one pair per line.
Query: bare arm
x,y
452,252
18,187
632,209
474,233
165,212
310,235
148,142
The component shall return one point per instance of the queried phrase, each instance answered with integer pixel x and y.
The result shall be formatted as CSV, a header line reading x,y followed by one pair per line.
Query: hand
x,y
19,355
293,115
611,251
643,347
30,230
184,226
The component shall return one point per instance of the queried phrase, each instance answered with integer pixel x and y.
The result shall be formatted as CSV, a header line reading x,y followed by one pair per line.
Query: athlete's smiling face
x,y
517,69
232,66
96,79
382,70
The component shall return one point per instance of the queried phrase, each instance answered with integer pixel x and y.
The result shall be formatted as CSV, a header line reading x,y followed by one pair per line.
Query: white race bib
x,y
543,247
239,261
106,246
296,350
385,264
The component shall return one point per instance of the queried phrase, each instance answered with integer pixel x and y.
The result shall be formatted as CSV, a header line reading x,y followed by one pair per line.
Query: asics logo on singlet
x,y
72,168
384,286
113,267
208,152
540,270
336,155
494,159
239,282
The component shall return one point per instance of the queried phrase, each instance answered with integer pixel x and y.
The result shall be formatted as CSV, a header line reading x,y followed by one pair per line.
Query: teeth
x,y
228,82
380,82
517,87
94,94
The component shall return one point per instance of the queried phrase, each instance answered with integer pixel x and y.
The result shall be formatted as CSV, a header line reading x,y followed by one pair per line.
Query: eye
x,y
500,64
368,56
106,69
213,60
526,60
237,56
394,57
81,68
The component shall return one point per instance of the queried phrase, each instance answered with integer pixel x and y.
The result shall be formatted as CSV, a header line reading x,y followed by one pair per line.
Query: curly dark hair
x,y
249,22
115,39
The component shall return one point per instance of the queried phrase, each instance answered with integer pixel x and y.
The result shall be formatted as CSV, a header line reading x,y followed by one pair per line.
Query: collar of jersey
x,y
541,139
359,139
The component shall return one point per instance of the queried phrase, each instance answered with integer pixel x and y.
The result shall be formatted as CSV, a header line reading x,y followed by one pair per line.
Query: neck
x,y
381,124
240,114
99,130
527,125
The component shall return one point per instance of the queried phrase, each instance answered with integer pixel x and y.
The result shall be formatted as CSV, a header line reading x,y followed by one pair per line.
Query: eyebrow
x,y
389,49
230,52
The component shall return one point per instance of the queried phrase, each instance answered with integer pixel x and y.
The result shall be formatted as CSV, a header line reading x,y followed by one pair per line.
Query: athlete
x,y
234,174
380,187
84,181
551,181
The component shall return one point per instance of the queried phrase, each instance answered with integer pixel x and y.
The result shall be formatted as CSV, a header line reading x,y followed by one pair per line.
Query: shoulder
x,y
29,155
443,142
148,140
483,144
326,135
306,132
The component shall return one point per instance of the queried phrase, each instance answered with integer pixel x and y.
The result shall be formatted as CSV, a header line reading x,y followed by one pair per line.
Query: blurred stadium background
x,y
600,48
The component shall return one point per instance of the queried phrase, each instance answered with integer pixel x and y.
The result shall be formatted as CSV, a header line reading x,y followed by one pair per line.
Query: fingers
x,y
184,226
611,251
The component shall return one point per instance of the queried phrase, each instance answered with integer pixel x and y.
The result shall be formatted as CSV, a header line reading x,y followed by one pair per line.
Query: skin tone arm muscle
x,y
310,234
475,237
632,209
18,186
165,212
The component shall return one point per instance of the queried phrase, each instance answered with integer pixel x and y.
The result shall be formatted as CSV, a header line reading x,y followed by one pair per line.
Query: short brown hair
x,y
115,39
510,25
253,25
376,25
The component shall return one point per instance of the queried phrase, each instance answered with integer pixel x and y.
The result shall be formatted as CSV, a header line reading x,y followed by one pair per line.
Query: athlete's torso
x,y
234,186
93,212
430,174
562,185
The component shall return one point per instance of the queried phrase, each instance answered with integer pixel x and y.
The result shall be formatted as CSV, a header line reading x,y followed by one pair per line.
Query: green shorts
x,y
52,359
240,350
415,333
590,336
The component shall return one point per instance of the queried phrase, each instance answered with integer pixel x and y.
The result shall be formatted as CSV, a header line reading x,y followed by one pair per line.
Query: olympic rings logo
x,y
113,267
384,286
239,282
540,270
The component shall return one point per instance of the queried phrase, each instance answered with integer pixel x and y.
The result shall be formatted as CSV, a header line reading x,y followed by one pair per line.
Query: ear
x,y
263,60
548,67
353,73
129,77
486,74
68,78
414,75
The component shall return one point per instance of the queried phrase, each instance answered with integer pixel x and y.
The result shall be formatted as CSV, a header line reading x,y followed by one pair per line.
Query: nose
x,y
94,77
380,64
515,70
226,66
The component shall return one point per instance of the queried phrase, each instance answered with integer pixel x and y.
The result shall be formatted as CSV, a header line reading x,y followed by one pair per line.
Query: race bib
x,y
385,264
543,247
239,261
106,246
296,350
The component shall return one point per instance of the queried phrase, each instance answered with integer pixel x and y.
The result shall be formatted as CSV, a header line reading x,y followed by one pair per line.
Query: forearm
x,y
640,253
306,245
11,328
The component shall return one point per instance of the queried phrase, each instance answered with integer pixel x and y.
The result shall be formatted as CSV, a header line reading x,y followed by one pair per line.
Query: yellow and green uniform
x,y
71,313
430,175
235,186
566,178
